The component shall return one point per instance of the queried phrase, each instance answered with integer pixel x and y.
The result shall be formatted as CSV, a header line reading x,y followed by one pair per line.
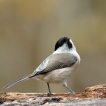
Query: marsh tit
x,y
58,67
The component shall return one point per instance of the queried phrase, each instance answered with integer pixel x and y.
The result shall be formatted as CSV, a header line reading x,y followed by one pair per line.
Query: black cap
x,y
61,41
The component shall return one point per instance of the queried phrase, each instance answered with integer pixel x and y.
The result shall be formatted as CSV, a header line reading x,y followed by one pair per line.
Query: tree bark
x,y
94,95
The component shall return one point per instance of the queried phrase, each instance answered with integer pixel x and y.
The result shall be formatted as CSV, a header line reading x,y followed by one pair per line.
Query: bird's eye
x,y
60,44
67,41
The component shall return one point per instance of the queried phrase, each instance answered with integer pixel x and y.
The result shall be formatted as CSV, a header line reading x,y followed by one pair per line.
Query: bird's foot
x,y
49,93
71,92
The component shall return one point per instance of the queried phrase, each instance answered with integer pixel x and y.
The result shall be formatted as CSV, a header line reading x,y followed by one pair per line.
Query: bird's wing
x,y
55,61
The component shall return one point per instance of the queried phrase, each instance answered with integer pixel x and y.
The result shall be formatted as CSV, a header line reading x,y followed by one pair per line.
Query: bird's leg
x,y
65,85
48,89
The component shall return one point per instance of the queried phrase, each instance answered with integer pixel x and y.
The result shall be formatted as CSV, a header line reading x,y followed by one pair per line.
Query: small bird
x,y
58,67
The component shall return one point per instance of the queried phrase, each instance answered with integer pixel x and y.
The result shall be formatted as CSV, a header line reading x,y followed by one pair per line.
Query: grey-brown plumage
x,y
57,67
56,61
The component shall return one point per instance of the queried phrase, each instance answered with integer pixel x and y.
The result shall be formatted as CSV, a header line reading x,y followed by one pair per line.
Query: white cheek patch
x,y
63,49
73,44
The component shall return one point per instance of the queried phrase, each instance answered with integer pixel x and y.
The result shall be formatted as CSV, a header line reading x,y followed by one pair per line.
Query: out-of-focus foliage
x,y
29,30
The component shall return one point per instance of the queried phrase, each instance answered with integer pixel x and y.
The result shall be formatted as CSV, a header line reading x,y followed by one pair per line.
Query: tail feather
x,y
15,82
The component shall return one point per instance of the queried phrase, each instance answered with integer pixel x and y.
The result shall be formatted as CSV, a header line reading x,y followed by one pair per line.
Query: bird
x,y
57,67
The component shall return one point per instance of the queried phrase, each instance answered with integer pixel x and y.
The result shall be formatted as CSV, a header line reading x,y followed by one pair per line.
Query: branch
x,y
91,94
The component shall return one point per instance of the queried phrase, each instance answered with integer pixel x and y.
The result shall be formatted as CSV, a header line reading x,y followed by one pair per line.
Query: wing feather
x,y
55,61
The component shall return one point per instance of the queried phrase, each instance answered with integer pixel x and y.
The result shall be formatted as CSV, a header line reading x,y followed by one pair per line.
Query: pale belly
x,y
56,76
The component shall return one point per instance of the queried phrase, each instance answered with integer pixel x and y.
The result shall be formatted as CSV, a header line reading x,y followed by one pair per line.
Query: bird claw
x,y
49,93
72,92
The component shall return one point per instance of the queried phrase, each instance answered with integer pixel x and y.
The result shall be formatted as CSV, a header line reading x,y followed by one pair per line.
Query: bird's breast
x,y
57,76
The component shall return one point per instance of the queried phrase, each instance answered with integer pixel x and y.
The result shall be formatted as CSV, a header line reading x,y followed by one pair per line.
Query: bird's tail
x,y
15,82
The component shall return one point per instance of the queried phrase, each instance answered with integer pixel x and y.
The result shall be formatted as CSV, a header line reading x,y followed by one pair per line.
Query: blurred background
x,y
29,30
